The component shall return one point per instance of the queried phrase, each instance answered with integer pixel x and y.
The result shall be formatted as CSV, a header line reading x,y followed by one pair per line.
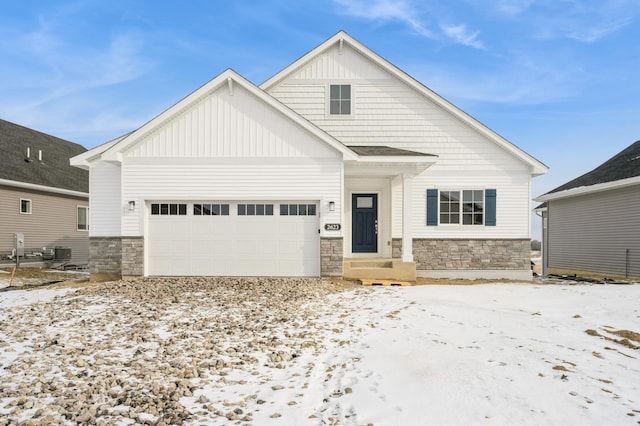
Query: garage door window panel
x,y
255,209
168,209
297,209
210,209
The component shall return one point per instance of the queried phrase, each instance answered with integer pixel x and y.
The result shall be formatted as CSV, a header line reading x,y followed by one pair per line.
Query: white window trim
x,y
461,224
78,207
30,206
328,100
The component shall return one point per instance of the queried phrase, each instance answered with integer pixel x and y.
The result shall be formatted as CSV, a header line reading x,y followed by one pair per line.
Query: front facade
x,y
338,157
44,202
590,225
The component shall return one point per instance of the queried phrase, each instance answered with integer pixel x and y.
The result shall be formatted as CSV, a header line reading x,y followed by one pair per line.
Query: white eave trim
x,y
583,190
43,188
390,164
537,167
84,160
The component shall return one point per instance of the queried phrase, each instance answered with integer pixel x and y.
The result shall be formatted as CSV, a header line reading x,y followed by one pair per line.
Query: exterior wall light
x,y
132,205
332,206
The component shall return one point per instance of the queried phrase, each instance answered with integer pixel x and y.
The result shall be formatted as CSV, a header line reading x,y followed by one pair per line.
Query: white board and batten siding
x,y
388,112
230,147
593,232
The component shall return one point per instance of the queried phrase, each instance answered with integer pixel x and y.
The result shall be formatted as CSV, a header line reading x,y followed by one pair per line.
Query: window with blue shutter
x,y
490,207
432,207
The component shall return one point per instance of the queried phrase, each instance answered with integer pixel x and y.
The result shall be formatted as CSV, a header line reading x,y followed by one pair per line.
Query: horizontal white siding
x,y
512,205
225,125
104,199
319,181
339,64
388,112
394,115
593,232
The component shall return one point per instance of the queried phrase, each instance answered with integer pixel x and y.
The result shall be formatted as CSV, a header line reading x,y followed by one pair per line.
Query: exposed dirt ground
x,y
30,277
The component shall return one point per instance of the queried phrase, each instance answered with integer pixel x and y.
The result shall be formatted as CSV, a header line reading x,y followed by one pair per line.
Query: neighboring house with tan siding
x,y
41,196
591,225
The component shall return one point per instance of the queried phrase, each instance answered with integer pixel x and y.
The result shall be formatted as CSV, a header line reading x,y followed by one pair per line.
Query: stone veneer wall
x,y
396,248
331,256
472,254
132,256
105,255
114,257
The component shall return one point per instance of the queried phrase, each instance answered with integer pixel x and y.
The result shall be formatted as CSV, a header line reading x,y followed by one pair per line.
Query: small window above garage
x,y
168,209
255,209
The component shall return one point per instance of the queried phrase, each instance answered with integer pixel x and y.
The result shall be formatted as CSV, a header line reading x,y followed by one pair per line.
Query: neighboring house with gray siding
x,y
41,196
591,225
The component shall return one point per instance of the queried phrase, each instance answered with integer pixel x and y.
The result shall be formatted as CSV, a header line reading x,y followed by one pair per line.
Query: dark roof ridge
x,y
624,165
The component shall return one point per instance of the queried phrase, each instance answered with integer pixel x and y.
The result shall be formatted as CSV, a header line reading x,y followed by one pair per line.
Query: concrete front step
x,y
379,269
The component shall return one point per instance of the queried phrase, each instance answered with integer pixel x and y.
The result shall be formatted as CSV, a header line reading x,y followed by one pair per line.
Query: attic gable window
x,y
340,99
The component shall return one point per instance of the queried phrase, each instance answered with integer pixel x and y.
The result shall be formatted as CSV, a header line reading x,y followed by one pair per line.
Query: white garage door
x,y
233,239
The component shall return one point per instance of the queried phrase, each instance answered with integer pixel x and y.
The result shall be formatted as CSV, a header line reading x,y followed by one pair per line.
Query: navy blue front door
x,y
364,226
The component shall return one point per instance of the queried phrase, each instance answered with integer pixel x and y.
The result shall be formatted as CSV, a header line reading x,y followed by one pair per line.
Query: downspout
x,y
542,265
626,263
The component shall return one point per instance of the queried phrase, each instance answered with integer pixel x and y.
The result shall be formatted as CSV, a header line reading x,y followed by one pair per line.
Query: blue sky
x,y
558,78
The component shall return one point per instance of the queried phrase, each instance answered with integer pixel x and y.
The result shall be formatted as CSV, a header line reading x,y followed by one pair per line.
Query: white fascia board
x,y
397,159
84,160
227,78
537,167
389,165
43,188
583,190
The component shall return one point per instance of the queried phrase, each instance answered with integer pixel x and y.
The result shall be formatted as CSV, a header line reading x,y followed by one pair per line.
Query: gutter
x,y
35,187
582,190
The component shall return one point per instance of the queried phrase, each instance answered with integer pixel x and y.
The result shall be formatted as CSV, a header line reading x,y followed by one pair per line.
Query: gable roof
x,y
341,38
112,151
625,164
621,169
53,172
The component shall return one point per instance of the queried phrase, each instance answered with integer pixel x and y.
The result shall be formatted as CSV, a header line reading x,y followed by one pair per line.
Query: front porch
x,y
378,269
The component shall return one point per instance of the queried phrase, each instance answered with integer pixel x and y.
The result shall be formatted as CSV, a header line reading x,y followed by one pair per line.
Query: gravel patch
x,y
142,351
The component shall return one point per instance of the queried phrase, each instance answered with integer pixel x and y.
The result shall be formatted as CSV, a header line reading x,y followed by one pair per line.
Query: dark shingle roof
x,y
624,165
385,150
53,171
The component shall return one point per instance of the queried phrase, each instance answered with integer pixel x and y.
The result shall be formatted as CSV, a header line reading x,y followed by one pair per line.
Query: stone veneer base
x,y
331,256
112,257
469,258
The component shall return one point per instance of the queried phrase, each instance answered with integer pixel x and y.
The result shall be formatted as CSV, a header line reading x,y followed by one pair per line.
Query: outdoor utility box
x,y
63,253
19,244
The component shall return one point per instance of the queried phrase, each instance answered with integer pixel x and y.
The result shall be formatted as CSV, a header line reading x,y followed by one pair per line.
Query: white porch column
x,y
407,233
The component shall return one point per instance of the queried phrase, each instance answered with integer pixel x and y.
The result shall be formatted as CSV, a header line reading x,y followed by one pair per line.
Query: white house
x,y
339,163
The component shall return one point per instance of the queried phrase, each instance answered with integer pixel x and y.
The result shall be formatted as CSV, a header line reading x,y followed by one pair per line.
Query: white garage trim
x,y
233,238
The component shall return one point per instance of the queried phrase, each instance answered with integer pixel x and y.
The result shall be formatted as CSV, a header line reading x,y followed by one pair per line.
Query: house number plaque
x,y
332,226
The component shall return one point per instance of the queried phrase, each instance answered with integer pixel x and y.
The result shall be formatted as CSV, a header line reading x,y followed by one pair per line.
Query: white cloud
x,y
409,14
513,7
461,35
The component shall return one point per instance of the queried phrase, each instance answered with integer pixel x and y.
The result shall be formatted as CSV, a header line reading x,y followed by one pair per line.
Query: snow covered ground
x,y
526,354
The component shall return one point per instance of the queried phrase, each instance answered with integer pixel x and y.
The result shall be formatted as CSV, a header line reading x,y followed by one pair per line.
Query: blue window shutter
x,y
432,207
490,207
